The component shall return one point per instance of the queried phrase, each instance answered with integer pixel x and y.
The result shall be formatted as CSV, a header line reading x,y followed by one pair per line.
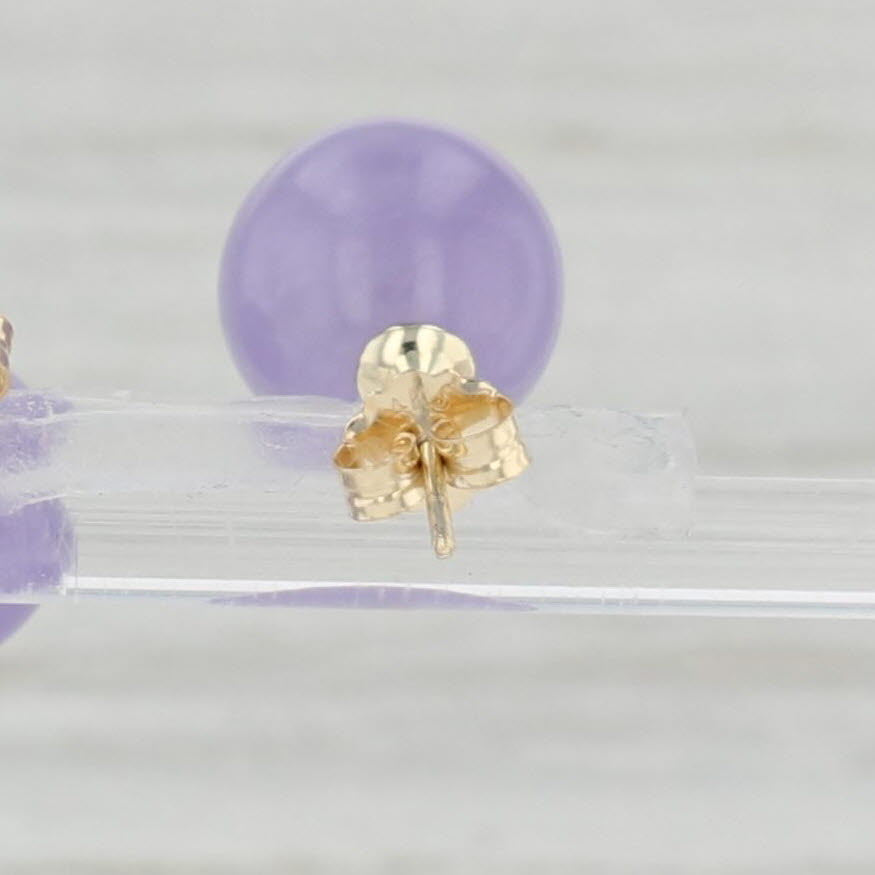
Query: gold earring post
x,y
437,502
428,433
6,334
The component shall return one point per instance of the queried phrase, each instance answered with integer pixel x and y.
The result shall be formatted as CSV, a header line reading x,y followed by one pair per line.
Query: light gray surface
x,y
167,740
709,167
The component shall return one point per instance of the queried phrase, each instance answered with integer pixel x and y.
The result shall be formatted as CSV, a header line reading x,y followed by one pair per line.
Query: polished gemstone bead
x,y
37,541
383,223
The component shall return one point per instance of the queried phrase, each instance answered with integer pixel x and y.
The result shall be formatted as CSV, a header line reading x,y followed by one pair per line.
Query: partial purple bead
x,y
37,542
384,223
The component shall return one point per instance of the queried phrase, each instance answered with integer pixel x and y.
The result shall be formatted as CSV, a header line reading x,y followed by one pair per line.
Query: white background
x,y
710,169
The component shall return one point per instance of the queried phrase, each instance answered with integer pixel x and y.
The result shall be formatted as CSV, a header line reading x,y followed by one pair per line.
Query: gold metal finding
x,y
5,352
428,433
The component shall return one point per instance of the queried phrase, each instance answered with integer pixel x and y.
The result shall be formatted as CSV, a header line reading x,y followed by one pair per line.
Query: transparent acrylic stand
x,y
239,504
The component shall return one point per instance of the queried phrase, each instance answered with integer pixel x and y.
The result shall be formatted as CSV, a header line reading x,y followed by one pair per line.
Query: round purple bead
x,y
383,223
37,542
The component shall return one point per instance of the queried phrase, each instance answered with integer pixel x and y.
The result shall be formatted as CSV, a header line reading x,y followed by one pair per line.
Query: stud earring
x,y
428,433
403,224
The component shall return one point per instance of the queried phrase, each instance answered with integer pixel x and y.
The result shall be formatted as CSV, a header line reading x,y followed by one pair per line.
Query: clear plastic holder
x,y
239,504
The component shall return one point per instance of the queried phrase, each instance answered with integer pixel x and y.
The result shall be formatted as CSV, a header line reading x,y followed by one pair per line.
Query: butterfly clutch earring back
x,y
428,433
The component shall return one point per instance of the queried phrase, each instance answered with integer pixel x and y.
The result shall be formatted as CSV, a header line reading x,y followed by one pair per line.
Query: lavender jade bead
x,y
12,617
37,542
383,223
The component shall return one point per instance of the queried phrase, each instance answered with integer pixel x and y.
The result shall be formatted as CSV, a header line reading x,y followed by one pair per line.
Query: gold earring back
x,y
429,432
